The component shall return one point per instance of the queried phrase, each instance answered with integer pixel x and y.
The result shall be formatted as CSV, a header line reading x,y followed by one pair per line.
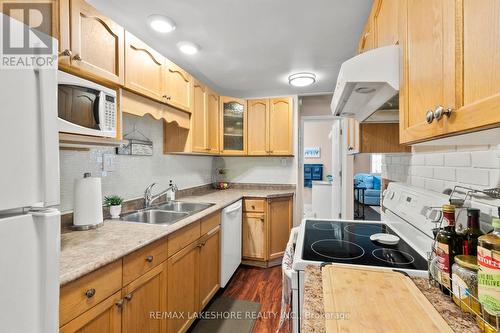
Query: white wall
x,y
436,168
316,135
133,173
362,163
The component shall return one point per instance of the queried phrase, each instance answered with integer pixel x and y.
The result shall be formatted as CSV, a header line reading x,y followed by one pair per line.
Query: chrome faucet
x,y
149,198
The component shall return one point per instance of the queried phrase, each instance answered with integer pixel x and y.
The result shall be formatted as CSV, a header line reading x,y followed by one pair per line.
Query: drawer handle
x,y
149,258
66,53
253,207
90,293
119,303
77,57
128,297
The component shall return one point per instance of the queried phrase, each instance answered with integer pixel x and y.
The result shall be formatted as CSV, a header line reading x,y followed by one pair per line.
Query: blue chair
x,y
372,183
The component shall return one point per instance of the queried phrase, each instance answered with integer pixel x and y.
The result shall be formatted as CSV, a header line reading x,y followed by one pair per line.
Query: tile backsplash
x,y
437,168
132,174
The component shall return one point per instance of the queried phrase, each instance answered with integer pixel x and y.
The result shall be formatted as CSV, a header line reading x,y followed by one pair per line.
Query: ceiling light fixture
x,y
302,79
161,23
188,47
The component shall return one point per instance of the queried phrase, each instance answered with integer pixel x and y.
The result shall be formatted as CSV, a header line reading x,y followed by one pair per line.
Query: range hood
x,y
367,83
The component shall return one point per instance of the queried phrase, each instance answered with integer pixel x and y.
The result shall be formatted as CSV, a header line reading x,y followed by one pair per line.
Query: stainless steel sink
x,y
154,216
167,213
185,207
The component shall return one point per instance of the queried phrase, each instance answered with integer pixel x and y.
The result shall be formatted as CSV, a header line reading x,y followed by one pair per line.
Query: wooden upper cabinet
x,y
179,87
280,216
209,266
213,121
366,41
233,125
96,44
258,127
353,136
281,126
428,81
141,297
199,118
386,22
144,69
380,138
479,101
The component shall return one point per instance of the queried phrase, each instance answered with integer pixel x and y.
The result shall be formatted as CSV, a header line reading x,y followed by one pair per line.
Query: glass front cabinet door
x,y
234,125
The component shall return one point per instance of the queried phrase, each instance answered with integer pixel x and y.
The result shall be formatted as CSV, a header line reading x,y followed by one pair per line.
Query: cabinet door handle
x,y
149,258
90,293
77,57
128,297
119,303
350,148
66,53
199,245
441,111
429,117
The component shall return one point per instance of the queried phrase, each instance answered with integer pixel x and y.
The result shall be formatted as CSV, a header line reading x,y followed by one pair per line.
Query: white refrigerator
x,y
29,193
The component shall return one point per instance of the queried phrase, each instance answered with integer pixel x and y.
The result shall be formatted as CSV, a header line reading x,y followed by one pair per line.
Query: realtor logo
x,y
26,41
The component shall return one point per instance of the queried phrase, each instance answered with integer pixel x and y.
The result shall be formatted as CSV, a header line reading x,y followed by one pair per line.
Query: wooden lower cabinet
x,y
183,292
165,297
105,317
209,266
280,217
141,297
254,236
266,229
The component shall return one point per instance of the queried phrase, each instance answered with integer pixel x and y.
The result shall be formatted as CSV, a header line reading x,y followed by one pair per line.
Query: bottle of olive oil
x,y
448,245
488,258
472,233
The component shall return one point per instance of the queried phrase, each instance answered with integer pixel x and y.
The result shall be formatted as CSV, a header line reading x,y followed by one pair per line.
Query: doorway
x,y
367,170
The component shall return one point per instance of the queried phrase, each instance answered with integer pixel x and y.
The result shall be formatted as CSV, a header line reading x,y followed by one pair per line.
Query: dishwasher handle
x,y
236,208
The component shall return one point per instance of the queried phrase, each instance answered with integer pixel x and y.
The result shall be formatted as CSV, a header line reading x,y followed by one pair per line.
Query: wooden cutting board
x,y
376,300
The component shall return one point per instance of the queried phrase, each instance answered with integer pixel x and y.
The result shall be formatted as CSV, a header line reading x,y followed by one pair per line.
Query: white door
x,y
336,169
29,279
29,168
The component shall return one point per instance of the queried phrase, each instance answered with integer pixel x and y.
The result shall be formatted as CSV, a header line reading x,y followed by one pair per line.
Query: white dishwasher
x,y
230,248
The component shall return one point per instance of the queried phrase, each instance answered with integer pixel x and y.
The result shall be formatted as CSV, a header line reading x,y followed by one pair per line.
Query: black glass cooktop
x,y
349,243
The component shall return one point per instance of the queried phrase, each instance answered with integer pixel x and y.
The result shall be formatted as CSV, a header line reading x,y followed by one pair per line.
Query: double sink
x,y
167,213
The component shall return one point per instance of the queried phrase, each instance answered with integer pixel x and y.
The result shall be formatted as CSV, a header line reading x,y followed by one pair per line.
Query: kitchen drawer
x,y
254,205
183,237
82,294
210,222
144,259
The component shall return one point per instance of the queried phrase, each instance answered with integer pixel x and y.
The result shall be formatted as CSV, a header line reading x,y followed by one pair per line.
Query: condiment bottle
x,y
448,245
472,233
488,258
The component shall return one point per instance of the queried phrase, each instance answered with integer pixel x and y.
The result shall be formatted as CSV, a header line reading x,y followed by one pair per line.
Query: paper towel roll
x,y
87,202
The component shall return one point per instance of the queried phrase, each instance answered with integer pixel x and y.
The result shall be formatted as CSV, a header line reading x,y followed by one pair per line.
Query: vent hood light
x,y
188,48
161,23
365,90
302,79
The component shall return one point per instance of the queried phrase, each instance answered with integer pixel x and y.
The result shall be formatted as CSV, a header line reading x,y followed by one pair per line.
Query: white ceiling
x,y
249,47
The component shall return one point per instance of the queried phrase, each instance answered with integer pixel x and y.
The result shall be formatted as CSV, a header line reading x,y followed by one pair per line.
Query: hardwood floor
x,y
261,285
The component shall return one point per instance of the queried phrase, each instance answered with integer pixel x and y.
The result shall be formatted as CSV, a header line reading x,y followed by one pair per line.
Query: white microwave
x,y
85,107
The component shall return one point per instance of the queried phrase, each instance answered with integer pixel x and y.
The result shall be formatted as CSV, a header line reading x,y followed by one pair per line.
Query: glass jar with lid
x,y
464,283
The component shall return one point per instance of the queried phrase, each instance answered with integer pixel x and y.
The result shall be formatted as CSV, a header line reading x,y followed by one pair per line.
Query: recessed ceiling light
x,y
161,23
302,79
188,47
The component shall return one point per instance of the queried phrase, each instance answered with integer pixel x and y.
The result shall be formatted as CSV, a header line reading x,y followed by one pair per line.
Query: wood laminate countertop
x,y
313,321
85,251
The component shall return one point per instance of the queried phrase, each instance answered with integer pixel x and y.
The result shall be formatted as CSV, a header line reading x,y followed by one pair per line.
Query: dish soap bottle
x,y
488,258
448,245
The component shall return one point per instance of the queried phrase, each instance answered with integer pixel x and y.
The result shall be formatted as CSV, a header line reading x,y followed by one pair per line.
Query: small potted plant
x,y
114,203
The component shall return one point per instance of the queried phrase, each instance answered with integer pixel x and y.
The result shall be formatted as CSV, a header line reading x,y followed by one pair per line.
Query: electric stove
x,y
350,243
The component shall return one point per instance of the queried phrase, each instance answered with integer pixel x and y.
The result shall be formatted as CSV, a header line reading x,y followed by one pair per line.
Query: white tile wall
x,y
133,173
441,167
